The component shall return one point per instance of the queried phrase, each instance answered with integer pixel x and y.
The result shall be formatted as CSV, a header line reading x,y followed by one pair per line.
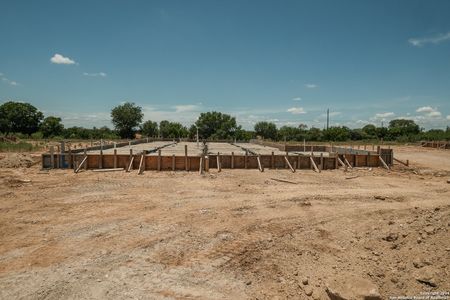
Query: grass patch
x,y
18,147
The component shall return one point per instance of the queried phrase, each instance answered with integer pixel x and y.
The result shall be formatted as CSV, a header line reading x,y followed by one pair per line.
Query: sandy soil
x,y
238,234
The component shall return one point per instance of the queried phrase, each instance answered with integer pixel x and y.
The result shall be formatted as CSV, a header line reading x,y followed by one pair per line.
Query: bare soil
x,y
238,234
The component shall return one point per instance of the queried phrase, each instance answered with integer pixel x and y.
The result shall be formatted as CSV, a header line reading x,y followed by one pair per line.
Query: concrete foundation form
x,y
192,156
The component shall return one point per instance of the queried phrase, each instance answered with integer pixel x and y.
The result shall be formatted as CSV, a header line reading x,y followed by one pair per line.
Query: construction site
x,y
155,219
143,155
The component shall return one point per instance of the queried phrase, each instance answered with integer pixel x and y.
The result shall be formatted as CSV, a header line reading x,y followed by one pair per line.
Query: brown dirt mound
x,y
16,160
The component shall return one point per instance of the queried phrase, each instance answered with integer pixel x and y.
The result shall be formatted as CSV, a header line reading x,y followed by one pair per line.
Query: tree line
x,y
25,119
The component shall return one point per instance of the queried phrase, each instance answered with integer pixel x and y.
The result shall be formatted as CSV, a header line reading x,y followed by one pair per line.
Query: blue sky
x,y
283,61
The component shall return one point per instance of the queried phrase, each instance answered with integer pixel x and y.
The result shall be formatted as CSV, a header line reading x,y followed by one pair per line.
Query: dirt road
x,y
237,234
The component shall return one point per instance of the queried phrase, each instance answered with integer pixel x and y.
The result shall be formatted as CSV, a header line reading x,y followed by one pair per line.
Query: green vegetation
x,y
18,147
19,117
126,118
24,121
51,126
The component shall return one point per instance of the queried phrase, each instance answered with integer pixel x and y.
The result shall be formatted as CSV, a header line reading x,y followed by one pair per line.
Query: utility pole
x,y
328,118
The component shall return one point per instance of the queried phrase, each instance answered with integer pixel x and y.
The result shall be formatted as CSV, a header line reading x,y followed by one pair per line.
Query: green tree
x,y
267,130
172,130
403,127
19,117
337,134
51,126
370,130
216,125
126,118
149,128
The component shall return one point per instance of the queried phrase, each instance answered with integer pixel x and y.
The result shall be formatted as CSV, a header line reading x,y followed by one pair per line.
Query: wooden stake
x,y
246,156
107,170
115,157
314,164
130,166
219,167
260,166
383,163
52,157
159,160
70,158
100,160
207,163
86,164
200,169
141,164
232,160
321,161
348,164
403,163
289,164
173,162
272,161
186,167
81,164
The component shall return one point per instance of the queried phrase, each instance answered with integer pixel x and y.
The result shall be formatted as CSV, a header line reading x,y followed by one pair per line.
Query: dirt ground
x,y
238,234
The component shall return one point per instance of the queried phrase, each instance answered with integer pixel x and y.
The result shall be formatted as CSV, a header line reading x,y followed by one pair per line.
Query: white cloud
x,y
425,109
297,99
186,108
384,115
448,117
7,80
100,74
296,110
419,42
61,60
429,111
311,85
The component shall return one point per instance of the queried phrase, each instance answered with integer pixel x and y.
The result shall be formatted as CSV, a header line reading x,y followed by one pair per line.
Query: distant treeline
x,y
26,121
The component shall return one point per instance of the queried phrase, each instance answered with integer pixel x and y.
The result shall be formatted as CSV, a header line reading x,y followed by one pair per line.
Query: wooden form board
x,y
170,162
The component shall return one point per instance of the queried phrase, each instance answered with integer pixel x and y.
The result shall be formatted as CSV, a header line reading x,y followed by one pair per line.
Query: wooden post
x,y
260,166
85,155
83,162
313,164
52,157
219,167
321,161
58,158
368,159
159,160
141,164
383,163
207,163
336,157
70,158
346,161
272,161
100,160
186,167
200,169
289,164
298,161
173,162
246,156
232,160
115,157
304,145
